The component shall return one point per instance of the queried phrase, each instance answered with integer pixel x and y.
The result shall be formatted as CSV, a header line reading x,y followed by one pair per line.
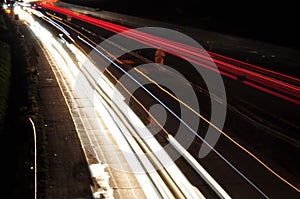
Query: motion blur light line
x,y
226,135
63,60
271,92
200,64
68,71
256,86
213,184
176,116
58,26
219,59
258,69
267,81
224,59
90,72
73,29
183,49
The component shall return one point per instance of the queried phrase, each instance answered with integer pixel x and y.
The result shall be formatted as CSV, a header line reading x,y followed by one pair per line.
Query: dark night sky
x,y
268,21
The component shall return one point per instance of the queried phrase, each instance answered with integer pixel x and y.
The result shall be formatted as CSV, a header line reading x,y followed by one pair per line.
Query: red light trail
x,y
271,82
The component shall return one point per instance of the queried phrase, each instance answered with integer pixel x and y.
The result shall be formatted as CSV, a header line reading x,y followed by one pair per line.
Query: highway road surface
x,y
125,106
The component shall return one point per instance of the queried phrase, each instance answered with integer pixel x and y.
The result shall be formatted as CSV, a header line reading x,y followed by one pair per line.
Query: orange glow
x,y
8,11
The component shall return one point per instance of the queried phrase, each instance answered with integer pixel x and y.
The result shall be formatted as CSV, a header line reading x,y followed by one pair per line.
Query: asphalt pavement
x,y
68,168
59,131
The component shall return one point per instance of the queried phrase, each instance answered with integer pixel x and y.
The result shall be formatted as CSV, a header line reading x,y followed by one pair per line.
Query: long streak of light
x,y
243,148
178,178
206,61
185,50
217,188
194,164
224,133
157,41
275,74
218,129
177,117
62,59
174,171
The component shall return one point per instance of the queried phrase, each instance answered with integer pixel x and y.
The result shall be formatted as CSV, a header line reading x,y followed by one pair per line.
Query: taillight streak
x,y
226,66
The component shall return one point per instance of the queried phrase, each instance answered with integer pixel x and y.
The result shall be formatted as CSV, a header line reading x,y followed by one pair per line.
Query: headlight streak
x,y
29,19
91,76
176,116
69,71
58,26
296,80
200,170
206,176
257,69
171,175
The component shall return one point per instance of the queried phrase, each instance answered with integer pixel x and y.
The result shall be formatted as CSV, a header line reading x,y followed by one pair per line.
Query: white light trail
x,y
88,81
177,117
217,188
71,71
